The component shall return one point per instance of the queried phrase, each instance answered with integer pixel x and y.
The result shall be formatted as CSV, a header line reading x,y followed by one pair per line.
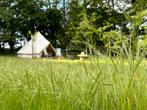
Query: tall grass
x,y
97,84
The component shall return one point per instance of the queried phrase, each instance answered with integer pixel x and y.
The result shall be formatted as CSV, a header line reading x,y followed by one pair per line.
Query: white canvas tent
x,y
36,47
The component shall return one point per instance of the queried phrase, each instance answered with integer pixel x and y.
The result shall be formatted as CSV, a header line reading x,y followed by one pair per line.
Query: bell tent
x,y
37,47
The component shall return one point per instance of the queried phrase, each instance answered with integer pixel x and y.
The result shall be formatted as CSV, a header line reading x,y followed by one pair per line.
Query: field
x,y
97,84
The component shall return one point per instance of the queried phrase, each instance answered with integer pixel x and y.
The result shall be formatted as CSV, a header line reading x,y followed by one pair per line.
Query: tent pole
x,y
32,47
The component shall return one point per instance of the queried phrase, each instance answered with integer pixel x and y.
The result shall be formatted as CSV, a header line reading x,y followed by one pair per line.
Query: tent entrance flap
x,y
45,52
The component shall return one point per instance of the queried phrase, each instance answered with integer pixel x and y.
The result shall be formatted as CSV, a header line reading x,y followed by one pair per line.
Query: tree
x,y
93,18
54,26
9,20
20,16
73,19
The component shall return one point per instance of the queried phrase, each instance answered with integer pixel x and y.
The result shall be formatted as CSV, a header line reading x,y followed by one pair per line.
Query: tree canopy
x,y
87,25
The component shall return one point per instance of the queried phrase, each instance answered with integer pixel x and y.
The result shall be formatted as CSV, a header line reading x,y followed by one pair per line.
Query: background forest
x,y
94,26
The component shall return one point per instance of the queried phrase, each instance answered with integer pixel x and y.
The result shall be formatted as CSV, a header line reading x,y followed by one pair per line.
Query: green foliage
x,y
136,21
20,16
78,24
139,5
55,26
116,43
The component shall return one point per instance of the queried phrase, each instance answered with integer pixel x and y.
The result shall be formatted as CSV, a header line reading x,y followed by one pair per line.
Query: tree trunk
x,y
133,1
0,46
11,44
112,1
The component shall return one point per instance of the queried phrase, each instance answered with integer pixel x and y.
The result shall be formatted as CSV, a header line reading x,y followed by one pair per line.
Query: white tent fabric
x,y
34,48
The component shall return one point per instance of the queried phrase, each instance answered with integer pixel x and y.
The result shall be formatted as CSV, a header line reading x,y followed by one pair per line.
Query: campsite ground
x,y
98,83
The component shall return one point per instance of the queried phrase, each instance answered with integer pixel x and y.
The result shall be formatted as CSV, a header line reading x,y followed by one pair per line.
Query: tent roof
x,y
39,44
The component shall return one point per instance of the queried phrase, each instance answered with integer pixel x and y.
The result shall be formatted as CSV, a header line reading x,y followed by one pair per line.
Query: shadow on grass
x,y
7,52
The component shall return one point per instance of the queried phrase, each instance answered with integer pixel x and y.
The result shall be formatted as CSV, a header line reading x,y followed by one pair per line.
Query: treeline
x,y
94,26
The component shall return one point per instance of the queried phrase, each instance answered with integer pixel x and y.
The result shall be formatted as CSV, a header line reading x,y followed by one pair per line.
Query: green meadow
x,y
96,84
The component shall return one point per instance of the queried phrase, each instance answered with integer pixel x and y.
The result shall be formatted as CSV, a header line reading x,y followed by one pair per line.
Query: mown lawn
x,y
97,84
